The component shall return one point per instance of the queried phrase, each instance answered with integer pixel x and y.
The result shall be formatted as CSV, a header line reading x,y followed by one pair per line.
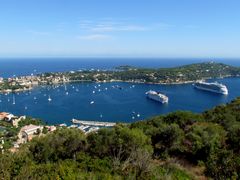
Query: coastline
x,y
110,81
15,91
164,76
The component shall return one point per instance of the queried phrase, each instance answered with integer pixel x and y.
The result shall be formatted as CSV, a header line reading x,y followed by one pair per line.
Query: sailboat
x,y
49,98
65,87
14,100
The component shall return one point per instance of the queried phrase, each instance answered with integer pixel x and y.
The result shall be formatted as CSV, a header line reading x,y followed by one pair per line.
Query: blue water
x,y
10,67
128,104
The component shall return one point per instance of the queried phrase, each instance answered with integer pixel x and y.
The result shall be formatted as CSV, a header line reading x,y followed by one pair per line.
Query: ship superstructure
x,y
212,87
157,96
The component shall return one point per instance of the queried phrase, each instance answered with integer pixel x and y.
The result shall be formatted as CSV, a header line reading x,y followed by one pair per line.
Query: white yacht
x,y
156,96
212,87
49,98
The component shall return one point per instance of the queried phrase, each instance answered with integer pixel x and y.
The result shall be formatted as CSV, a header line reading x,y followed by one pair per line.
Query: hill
x,y
182,74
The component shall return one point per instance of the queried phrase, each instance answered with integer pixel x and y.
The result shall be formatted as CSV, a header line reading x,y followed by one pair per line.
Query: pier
x,y
93,123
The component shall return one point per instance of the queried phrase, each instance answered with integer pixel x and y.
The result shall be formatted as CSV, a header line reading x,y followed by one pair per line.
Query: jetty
x,y
93,123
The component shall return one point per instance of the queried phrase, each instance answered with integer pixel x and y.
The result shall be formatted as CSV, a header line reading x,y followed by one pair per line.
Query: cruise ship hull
x,y
225,92
160,98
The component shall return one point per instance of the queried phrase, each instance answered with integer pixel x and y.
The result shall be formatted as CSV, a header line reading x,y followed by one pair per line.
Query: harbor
x,y
107,102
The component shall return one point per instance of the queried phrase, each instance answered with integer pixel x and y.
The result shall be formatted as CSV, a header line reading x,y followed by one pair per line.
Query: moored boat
x,y
212,87
157,96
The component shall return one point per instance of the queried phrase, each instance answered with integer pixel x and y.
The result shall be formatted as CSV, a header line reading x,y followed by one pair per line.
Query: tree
x,y
223,165
45,130
167,139
183,119
205,139
62,144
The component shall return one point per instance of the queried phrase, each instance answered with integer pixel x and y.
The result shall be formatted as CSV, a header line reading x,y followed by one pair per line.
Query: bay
x,y
109,102
115,102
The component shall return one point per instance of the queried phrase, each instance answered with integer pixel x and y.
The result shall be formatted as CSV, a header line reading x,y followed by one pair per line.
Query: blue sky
x,y
128,28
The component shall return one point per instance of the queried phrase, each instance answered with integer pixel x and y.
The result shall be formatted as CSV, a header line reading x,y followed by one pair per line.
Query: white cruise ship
x,y
213,87
157,96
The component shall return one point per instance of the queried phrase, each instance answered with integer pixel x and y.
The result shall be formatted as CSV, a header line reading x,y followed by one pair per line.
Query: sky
x,y
120,28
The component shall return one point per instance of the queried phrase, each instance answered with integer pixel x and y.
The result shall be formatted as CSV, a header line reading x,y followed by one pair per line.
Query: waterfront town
x,y
23,83
18,130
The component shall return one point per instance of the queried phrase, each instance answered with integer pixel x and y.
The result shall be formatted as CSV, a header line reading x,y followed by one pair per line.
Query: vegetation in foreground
x,y
180,145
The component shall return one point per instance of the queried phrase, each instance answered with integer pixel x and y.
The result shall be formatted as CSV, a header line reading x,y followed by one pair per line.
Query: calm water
x,y
11,67
111,103
127,104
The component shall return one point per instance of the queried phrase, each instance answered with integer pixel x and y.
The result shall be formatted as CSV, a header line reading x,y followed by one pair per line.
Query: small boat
x,y
14,100
49,98
92,102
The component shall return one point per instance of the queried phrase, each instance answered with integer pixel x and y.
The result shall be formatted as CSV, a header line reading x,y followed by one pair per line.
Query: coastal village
x,y
23,83
18,130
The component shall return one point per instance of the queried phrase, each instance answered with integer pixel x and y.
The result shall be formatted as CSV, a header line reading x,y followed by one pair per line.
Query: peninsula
x,y
176,75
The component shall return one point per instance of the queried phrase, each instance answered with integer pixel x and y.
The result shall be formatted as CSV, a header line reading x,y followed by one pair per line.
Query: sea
x,y
110,102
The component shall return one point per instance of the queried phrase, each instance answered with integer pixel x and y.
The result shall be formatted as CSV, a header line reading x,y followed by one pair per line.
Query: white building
x,y
28,132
